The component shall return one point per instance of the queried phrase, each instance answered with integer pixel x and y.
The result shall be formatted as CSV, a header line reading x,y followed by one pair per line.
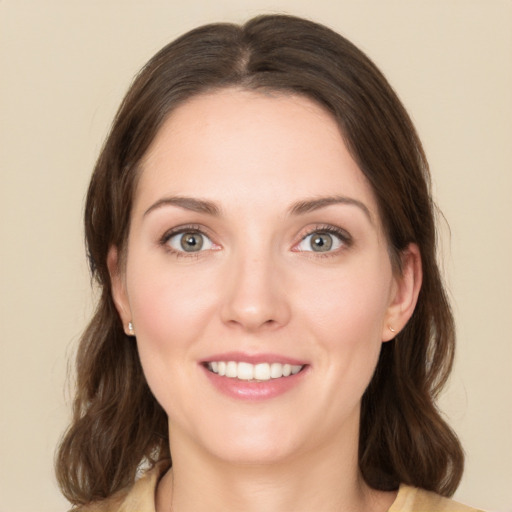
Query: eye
x,y
323,241
189,241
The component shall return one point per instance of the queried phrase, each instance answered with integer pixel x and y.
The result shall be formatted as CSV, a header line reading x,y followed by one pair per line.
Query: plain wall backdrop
x,y
64,67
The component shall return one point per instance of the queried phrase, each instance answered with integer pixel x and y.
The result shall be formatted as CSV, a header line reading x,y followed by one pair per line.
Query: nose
x,y
255,294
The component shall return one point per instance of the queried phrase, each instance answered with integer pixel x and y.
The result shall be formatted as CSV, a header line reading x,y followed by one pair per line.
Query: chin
x,y
249,442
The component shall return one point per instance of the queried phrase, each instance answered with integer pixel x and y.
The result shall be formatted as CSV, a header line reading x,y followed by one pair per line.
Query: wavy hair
x,y
117,424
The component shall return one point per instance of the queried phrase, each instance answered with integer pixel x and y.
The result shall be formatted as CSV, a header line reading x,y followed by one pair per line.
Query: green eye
x,y
190,241
321,241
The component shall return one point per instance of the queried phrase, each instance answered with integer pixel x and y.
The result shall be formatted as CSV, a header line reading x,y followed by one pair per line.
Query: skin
x,y
259,287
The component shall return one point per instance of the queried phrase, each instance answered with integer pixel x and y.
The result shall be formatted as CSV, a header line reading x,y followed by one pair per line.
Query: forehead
x,y
250,147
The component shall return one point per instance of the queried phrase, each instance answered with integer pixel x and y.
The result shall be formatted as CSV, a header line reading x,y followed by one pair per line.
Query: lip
x,y
256,391
241,357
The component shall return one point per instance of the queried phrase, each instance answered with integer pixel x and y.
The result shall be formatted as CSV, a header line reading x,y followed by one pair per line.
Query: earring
x,y
131,332
391,329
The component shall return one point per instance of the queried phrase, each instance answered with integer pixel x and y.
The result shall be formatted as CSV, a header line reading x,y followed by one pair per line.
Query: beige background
x,y
64,66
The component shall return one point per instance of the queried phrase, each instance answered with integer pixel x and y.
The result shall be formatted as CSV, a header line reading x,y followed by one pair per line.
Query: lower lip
x,y
254,390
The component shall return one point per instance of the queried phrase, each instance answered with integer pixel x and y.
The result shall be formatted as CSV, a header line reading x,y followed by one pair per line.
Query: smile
x,y
248,371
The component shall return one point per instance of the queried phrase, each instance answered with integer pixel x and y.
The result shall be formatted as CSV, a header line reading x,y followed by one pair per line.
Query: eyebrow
x,y
187,203
298,208
302,207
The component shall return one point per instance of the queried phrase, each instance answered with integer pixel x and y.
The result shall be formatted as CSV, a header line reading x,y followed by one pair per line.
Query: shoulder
x,y
139,497
412,499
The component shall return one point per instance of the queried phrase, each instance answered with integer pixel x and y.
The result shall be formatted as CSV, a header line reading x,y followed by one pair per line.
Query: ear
x,y
406,289
118,286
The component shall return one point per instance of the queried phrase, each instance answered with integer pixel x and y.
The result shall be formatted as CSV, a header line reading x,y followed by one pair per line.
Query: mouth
x,y
254,377
259,372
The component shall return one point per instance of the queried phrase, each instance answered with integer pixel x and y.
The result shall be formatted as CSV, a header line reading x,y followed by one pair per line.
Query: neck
x,y
323,480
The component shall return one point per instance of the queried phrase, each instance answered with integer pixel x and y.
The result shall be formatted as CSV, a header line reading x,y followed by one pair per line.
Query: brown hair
x,y
117,423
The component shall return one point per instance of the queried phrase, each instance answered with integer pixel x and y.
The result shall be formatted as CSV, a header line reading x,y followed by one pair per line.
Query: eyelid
x,y
186,228
343,235
181,229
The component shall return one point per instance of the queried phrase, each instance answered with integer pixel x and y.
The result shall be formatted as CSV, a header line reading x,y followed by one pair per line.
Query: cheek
x,y
170,310
345,317
350,306
169,305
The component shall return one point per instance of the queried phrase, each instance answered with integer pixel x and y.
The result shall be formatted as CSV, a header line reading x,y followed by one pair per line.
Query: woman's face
x,y
256,250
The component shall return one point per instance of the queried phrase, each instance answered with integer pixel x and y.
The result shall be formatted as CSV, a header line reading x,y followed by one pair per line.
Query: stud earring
x,y
131,332
391,329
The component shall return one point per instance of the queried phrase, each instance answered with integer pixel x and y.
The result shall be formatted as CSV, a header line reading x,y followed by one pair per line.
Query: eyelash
x,y
339,233
343,236
192,229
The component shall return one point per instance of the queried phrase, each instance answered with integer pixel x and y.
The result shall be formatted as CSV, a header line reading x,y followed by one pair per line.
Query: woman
x,y
272,317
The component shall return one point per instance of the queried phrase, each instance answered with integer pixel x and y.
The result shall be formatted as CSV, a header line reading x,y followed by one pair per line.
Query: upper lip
x,y
240,357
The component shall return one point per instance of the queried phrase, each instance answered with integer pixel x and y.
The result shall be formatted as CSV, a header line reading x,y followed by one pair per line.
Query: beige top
x,y
141,498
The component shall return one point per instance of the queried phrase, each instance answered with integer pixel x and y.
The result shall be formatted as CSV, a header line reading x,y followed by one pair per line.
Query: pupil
x,y
191,242
322,242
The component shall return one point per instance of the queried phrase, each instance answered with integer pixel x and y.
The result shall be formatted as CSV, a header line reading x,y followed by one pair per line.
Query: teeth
x,y
231,369
248,371
245,371
276,370
262,371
